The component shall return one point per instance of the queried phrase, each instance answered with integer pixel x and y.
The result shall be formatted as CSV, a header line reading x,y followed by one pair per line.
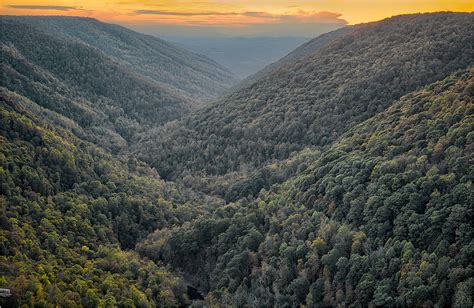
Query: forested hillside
x,y
342,176
191,75
71,212
83,84
313,101
383,218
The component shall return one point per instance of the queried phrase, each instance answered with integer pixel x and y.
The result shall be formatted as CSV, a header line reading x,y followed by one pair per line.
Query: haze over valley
x,y
243,56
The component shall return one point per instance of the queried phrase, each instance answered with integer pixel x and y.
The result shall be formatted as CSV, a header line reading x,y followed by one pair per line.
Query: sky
x,y
233,17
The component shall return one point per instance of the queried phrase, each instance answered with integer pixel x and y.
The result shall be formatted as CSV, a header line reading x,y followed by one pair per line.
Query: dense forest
x,y
340,176
382,218
71,213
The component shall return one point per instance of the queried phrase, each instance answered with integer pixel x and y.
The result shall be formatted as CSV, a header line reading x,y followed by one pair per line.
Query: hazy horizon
x,y
210,18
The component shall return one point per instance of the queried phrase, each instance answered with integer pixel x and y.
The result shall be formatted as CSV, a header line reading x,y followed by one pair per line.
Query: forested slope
x,y
71,213
84,84
313,101
191,75
383,218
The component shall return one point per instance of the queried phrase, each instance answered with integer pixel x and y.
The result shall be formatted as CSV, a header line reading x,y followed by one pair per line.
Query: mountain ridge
x,y
199,78
92,85
309,103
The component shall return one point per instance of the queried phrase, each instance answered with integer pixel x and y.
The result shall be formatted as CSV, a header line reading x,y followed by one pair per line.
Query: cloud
x,y
240,23
298,17
312,17
43,7
259,14
206,13
171,13
211,21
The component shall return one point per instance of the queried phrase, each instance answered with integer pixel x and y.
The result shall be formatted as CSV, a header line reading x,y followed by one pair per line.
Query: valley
x,y
136,173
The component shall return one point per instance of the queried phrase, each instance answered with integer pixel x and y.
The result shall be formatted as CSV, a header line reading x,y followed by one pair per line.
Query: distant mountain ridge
x,y
191,75
244,56
305,49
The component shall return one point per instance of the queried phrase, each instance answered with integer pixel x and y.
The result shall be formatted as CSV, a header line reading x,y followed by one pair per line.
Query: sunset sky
x,y
234,17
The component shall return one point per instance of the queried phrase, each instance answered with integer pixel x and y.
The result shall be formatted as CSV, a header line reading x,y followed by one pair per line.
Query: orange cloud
x,y
313,17
43,7
245,17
